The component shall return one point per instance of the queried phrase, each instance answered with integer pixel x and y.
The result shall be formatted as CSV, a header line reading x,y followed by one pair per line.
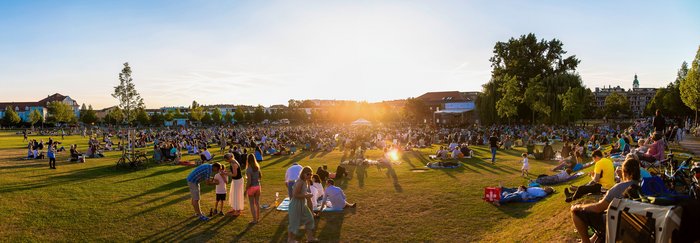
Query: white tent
x,y
361,122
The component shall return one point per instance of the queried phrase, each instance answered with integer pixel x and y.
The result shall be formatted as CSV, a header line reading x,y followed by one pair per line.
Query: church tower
x,y
635,84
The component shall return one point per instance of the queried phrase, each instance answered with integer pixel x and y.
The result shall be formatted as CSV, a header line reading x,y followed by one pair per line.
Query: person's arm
x,y
597,207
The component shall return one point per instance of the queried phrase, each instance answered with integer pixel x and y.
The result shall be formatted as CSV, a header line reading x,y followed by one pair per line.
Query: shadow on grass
x,y
334,224
175,232
280,234
159,173
72,177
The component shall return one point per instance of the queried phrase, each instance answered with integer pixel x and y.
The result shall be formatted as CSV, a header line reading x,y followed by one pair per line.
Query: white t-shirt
x,y
207,154
221,187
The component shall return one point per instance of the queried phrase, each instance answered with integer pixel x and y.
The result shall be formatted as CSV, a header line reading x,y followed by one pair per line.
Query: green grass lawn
x,y
95,202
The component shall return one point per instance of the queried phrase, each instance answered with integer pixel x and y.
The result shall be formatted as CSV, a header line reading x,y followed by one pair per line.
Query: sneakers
x,y
203,218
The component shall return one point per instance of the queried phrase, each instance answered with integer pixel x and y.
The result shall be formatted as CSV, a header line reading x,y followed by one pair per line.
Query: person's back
x,y
605,168
336,196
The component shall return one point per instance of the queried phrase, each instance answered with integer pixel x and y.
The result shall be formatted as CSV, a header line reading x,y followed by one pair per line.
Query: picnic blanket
x,y
284,206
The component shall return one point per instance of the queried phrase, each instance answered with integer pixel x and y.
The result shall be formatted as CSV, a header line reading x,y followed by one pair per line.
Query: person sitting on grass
x,y
603,176
205,155
593,215
202,173
336,197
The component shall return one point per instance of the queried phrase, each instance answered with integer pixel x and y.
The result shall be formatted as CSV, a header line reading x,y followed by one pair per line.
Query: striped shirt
x,y
200,173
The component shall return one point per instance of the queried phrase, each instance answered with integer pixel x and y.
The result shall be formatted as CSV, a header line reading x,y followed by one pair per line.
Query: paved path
x,y
692,144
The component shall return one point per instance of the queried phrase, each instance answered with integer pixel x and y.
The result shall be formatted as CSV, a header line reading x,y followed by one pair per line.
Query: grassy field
x,y
95,202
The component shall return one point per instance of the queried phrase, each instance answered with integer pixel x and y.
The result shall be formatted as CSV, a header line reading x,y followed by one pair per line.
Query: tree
x,y
169,116
11,117
157,119
228,118
129,99
216,116
142,117
206,119
259,114
507,106
197,113
35,116
83,109
239,115
690,86
115,116
574,103
60,112
616,105
520,63
416,110
89,116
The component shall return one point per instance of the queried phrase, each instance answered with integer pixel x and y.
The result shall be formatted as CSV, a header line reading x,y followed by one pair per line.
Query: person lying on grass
x,y
562,176
593,214
522,194
202,173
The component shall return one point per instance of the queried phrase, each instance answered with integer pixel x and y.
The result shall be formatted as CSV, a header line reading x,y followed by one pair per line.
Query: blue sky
x,y
267,52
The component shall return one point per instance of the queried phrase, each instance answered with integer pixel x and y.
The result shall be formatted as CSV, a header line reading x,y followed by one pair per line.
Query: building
x,y
638,97
23,109
450,107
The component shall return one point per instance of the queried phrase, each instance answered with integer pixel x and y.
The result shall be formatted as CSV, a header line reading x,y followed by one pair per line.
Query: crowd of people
x,y
239,175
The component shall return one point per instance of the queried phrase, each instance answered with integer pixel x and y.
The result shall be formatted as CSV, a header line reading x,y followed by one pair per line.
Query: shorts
x,y
194,190
594,220
252,190
221,197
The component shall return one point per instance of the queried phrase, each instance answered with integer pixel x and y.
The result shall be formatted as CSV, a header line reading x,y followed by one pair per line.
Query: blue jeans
x,y
290,187
493,154
511,195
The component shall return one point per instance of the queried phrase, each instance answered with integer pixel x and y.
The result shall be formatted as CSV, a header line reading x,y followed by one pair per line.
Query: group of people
x,y
307,196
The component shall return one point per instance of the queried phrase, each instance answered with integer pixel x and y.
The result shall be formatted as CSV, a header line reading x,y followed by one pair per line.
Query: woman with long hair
x,y
299,212
253,177
236,198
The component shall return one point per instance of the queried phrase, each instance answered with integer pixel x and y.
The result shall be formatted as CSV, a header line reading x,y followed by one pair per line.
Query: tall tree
x,y
89,116
34,117
197,113
531,62
129,99
142,117
507,106
259,114
157,119
239,115
616,105
216,116
415,110
11,117
690,86
228,118
115,116
60,112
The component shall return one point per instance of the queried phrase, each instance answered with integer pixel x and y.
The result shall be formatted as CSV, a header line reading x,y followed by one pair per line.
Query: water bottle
x,y
277,198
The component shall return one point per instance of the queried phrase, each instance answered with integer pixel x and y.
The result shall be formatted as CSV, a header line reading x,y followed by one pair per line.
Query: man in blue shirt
x,y
202,173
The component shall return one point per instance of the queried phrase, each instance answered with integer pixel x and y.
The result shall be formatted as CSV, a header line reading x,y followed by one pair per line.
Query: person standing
x,y
291,177
51,153
299,212
659,122
236,199
202,173
493,144
254,176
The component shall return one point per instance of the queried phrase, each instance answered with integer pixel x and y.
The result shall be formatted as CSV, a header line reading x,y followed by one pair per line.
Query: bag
x,y
653,186
492,194
632,221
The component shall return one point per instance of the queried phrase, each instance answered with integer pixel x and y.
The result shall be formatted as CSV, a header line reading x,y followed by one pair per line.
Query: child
x,y
221,180
526,166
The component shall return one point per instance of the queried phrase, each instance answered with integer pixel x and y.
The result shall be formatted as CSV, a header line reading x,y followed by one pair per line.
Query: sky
x,y
267,52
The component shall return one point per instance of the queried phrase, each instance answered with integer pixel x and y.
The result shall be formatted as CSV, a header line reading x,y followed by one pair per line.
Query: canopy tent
x,y
361,122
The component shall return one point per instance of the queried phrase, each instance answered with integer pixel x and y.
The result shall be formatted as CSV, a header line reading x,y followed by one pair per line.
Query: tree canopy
x,y
60,112
11,117
527,79
129,99
690,86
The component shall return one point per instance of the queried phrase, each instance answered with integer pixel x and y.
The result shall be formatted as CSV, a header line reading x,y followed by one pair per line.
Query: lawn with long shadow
x,y
93,201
